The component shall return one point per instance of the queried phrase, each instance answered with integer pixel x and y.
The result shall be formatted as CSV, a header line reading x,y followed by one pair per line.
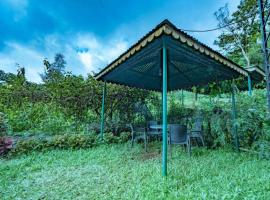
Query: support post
x,y
164,112
182,98
234,117
102,111
249,86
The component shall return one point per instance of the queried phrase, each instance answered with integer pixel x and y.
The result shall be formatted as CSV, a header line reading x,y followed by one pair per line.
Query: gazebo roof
x,y
257,74
190,63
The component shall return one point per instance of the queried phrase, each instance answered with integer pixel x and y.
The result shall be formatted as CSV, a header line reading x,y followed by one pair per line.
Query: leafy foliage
x,y
240,33
65,141
3,125
54,71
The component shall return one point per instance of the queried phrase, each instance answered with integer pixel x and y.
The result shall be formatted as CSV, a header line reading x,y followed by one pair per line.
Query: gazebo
x,y
168,59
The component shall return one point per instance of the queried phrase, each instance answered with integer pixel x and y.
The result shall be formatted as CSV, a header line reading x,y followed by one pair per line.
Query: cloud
x,y
31,31
25,56
87,60
84,53
95,53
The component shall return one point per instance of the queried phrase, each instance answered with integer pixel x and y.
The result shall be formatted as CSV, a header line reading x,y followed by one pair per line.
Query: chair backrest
x,y
178,133
136,129
198,124
131,127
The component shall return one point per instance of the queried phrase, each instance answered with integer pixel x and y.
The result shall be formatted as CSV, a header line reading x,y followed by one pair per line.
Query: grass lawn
x,y
118,172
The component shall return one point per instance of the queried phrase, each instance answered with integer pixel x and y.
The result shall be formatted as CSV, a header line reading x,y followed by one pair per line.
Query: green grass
x,y
118,172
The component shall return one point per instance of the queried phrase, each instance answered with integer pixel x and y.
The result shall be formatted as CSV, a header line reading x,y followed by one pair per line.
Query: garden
x,y
57,152
63,138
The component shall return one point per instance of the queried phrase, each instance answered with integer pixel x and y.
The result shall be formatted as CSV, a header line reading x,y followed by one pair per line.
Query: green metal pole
x,y
249,86
182,98
102,111
234,117
164,113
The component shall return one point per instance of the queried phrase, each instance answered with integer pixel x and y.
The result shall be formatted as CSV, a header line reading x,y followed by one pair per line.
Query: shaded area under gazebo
x,y
167,59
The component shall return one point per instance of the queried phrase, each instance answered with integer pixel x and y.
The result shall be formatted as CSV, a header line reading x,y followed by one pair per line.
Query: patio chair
x,y
138,134
178,135
197,131
152,132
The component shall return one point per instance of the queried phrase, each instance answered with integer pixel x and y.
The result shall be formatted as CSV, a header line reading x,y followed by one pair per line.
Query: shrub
x,y
124,137
66,141
74,141
40,117
6,144
263,144
3,125
217,128
109,138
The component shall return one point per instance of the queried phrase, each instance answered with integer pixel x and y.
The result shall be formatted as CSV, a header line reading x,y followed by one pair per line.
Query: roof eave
x,y
167,28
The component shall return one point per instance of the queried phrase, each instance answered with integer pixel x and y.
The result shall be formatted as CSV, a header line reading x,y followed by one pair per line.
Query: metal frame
x,y
164,110
266,50
234,119
249,86
102,111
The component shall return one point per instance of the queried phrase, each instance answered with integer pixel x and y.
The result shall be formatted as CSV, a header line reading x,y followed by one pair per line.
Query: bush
x,y
109,138
66,141
3,125
217,128
40,117
6,144
263,144
124,137
73,141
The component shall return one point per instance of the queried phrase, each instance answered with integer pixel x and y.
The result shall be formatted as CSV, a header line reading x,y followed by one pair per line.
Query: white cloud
x,y
95,54
87,60
84,53
25,56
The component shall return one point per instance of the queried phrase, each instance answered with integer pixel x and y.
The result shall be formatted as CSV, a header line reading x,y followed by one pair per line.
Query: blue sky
x,y
91,33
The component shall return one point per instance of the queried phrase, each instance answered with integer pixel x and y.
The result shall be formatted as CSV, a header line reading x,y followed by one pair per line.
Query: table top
x,y
157,126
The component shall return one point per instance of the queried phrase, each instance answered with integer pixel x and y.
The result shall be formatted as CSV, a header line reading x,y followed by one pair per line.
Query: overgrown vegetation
x,y
66,104
71,105
66,141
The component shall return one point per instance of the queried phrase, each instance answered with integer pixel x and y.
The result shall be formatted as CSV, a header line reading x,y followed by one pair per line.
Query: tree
x,y
59,64
6,77
55,70
240,32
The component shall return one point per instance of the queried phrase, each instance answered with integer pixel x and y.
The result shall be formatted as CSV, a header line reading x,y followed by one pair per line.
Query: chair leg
x,y
189,147
170,148
145,142
132,142
197,141
202,140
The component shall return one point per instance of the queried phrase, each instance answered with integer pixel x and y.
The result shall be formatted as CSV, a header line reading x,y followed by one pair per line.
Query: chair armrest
x,y
195,131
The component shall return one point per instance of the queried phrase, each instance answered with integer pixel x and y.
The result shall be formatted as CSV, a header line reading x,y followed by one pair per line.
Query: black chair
x,y
152,132
138,134
197,131
178,135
